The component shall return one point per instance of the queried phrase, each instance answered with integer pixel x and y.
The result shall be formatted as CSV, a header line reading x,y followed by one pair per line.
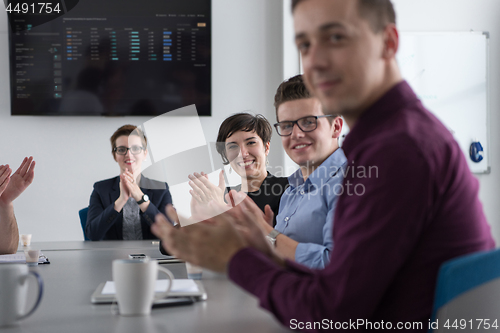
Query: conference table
x,y
77,268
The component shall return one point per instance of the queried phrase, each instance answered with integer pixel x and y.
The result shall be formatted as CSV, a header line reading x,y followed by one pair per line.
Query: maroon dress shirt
x,y
409,204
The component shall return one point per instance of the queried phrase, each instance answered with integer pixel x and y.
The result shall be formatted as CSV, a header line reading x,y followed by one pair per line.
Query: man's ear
x,y
337,124
391,41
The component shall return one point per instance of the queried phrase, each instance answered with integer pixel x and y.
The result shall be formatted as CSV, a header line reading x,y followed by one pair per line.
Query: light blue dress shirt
x,y
307,209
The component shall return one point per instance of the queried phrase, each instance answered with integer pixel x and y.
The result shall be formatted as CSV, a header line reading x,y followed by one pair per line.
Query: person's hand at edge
x,y
19,181
5,172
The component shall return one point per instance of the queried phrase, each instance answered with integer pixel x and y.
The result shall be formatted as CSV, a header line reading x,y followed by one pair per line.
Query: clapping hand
x,y
210,245
124,191
4,177
130,185
252,222
12,187
207,199
213,242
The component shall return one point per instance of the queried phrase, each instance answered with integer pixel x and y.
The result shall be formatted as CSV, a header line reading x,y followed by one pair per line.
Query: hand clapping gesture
x,y
135,190
207,199
4,177
11,186
129,188
124,191
130,185
212,242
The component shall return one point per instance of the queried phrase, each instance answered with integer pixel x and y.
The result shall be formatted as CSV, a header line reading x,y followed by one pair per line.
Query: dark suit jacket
x,y
105,223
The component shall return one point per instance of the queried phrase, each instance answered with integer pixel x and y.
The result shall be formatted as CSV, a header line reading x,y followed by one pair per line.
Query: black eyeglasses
x,y
306,124
123,150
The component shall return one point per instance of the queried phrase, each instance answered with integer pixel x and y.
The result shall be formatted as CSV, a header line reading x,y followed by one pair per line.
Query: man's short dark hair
x,y
378,12
245,122
290,90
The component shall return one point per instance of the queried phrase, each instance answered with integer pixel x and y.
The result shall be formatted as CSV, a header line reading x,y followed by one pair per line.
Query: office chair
x,y
83,220
467,295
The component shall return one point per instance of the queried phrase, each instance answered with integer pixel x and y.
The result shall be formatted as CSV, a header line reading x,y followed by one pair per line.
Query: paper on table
x,y
180,285
18,258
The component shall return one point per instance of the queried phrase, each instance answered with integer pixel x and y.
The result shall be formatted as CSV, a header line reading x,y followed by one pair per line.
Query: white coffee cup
x,y
26,239
135,285
14,291
32,257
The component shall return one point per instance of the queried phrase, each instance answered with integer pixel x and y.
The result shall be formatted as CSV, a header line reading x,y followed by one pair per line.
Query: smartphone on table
x,y
137,256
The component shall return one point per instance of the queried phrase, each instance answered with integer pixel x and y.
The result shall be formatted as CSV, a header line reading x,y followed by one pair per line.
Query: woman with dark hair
x,y
124,207
243,142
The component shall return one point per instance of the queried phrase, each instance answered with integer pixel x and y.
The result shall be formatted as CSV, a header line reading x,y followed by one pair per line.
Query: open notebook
x,y
182,288
20,258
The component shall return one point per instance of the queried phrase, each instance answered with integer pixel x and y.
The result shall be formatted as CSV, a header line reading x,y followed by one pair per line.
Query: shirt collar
x,y
375,116
329,168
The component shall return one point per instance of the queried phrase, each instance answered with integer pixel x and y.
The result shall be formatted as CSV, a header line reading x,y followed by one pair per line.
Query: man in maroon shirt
x,y
409,201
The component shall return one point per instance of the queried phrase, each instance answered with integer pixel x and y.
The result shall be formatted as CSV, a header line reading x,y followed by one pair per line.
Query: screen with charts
x,y
111,58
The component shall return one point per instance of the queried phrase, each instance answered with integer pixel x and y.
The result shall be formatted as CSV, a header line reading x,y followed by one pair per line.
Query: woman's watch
x,y
145,198
272,237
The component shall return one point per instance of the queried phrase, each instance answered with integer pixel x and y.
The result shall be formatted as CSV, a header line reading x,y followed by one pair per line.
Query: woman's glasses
x,y
121,150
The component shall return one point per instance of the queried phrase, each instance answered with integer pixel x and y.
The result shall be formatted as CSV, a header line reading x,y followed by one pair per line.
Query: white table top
x,y
77,268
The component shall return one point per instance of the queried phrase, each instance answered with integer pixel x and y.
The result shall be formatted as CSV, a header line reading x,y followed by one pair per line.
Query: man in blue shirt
x,y
304,225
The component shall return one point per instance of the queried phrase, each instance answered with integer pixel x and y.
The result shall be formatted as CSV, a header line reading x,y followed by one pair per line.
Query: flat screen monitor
x,y
110,57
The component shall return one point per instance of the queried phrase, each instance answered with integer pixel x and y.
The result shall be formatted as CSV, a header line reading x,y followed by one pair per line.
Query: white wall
x,y
74,152
466,15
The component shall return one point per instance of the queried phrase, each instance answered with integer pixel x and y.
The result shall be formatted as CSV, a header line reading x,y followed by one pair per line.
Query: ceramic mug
x,y
14,292
135,282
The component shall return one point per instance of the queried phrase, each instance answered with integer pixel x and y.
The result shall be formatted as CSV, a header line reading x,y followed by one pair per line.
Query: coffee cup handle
x,y
39,297
170,278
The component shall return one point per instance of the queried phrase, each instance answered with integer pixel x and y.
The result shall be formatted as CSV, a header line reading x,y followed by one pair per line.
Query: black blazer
x,y
105,223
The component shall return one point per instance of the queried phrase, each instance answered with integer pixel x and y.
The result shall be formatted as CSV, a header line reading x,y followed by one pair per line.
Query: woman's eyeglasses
x,y
121,150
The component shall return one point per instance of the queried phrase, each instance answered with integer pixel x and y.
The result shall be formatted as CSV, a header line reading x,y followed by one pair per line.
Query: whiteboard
x,y
449,73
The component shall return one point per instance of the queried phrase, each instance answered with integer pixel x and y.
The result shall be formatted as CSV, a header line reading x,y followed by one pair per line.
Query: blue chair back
x,y
468,288
83,220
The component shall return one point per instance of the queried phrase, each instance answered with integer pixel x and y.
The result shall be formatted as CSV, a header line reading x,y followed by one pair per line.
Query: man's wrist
x,y
278,259
271,237
267,228
6,206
